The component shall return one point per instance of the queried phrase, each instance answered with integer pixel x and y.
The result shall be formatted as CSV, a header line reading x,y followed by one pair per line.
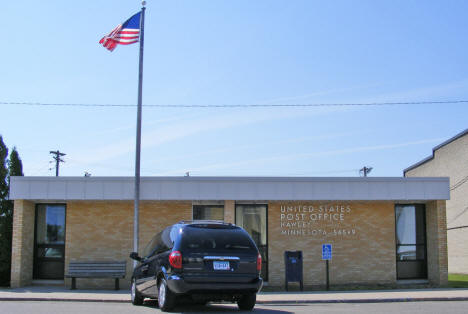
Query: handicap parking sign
x,y
326,251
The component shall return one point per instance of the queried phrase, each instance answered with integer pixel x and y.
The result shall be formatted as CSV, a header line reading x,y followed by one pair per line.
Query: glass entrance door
x,y
411,241
49,248
253,218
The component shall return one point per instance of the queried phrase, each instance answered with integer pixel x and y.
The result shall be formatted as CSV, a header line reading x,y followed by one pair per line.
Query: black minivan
x,y
201,260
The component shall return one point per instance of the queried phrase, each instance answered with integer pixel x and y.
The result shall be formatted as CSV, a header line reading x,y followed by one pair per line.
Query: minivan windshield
x,y
216,239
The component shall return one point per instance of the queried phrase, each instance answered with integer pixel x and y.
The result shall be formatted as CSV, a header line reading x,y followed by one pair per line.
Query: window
x,y
49,245
151,246
410,224
159,243
50,227
208,212
253,218
216,239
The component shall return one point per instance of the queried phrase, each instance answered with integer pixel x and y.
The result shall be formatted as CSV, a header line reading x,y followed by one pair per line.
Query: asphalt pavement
x,y
36,307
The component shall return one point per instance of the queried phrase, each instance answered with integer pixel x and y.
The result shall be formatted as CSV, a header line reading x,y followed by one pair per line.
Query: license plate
x,y
220,265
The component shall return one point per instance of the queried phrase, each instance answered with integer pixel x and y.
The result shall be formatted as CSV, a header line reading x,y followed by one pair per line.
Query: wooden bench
x,y
114,270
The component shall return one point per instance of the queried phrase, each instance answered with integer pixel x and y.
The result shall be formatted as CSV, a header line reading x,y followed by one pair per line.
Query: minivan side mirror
x,y
134,255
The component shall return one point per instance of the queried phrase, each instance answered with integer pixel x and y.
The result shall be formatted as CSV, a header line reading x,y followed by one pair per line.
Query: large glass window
x,y
50,227
410,241
49,241
208,212
214,239
159,243
253,218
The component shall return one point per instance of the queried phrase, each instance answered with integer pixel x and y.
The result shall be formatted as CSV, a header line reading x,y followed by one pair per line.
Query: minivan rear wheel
x,y
247,302
137,298
166,298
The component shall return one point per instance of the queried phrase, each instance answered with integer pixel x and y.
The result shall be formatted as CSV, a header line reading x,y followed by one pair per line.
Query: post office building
x,y
382,231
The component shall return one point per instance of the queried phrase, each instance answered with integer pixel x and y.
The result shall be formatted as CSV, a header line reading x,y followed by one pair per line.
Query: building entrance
x,y
410,223
49,244
253,218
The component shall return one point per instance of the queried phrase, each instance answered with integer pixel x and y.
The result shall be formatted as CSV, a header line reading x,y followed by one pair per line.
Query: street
x,y
46,307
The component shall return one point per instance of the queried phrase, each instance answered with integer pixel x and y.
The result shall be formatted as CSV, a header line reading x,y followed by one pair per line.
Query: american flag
x,y
124,34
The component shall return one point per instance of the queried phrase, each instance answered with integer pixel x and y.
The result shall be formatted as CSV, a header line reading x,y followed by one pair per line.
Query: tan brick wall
x,y
22,244
437,262
230,211
362,235
451,161
103,231
363,255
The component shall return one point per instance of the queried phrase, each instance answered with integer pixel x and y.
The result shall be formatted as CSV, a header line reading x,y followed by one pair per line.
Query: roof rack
x,y
219,222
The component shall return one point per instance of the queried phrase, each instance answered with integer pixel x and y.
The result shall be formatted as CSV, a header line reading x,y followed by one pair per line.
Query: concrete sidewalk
x,y
40,293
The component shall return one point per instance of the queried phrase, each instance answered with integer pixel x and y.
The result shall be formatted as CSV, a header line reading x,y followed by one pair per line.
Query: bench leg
x,y
73,287
117,284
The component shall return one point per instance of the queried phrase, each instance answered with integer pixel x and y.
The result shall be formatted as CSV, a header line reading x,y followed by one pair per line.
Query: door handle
x,y
144,268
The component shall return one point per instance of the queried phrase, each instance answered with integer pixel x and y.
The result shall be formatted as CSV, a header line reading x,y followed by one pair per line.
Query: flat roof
x,y
450,140
44,189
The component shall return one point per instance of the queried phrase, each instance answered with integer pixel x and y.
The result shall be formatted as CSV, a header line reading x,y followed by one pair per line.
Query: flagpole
x,y
138,137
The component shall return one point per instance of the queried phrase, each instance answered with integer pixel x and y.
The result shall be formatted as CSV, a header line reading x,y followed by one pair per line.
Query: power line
x,y
244,106
461,227
459,183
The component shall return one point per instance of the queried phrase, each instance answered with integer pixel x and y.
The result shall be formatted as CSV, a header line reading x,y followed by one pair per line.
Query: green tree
x,y
5,248
15,166
3,170
11,167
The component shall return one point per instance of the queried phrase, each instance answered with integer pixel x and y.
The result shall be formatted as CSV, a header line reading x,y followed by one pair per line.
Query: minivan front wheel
x,y
137,298
166,298
247,302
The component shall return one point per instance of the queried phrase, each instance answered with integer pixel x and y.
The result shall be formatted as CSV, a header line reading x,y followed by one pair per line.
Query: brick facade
x,y
22,244
363,240
436,230
103,231
362,235
451,160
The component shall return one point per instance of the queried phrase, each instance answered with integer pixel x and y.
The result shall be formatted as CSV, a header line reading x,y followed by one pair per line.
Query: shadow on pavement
x,y
214,308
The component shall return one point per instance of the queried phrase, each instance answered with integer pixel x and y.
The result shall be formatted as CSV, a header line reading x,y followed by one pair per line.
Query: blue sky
x,y
239,52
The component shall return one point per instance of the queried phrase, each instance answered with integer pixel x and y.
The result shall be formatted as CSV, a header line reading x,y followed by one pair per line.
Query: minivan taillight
x,y
259,262
175,259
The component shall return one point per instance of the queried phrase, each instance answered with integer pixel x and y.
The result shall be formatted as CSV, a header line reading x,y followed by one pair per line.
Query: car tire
x,y
247,302
137,298
166,298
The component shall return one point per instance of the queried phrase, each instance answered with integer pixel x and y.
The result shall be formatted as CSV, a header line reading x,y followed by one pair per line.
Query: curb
x,y
389,300
63,300
384,300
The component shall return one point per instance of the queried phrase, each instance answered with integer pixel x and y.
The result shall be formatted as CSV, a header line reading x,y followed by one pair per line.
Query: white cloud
x,y
189,127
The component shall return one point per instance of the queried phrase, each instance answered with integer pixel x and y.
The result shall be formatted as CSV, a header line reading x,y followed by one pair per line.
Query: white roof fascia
x,y
231,188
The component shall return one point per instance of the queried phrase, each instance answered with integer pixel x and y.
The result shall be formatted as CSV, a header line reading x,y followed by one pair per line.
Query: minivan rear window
x,y
212,239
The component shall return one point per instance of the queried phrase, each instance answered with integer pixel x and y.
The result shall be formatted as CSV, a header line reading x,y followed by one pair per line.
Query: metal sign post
x,y
327,255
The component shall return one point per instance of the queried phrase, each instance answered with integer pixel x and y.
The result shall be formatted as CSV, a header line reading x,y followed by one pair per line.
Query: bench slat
x,y
95,276
97,265
96,271
90,267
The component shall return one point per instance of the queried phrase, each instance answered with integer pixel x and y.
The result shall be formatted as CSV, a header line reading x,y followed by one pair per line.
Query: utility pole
x,y
57,154
365,171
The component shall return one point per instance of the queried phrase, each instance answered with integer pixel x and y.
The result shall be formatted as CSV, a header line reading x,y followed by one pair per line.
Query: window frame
x,y
36,259
207,205
423,244
405,265
267,250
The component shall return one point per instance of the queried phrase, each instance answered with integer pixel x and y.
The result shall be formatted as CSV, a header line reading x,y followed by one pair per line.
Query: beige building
x,y
383,231
450,159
